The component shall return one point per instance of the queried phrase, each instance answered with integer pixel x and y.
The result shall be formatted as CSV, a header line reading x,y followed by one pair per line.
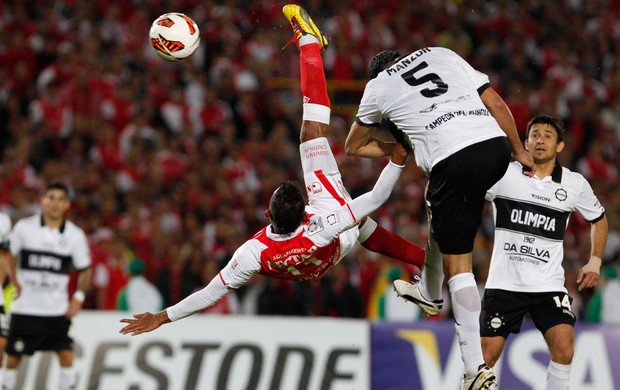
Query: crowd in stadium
x,y
173,163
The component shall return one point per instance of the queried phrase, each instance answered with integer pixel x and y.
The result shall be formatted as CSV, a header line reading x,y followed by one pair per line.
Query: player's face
x,y
542,143
55,203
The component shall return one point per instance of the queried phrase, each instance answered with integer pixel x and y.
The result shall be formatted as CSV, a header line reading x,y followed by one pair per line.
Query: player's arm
x,y
237,272
500,111
5,266
589,273
14,249
83,283
81,262
365,204
361,142
12,273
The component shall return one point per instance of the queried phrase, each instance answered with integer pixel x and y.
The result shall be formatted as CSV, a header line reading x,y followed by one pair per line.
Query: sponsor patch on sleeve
x,y
315,225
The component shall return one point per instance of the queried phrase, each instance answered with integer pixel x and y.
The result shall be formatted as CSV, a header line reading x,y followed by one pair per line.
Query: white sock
x,y
432,274
558,376
10,379
466,309
306,39
67,379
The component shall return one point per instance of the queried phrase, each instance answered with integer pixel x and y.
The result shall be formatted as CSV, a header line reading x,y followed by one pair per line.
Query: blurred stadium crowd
x,y
173,163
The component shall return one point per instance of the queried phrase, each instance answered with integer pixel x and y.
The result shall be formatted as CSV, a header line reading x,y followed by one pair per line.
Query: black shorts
x,y
503,311
28,334
456,189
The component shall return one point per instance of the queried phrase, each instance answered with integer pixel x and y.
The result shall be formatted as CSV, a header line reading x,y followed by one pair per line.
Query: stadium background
x,y
174,163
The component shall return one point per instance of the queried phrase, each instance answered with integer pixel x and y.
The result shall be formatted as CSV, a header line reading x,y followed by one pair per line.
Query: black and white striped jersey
x,y
432,96
531,216
44,258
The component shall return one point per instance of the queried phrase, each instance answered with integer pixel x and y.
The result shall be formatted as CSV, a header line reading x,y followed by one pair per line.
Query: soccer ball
x,y
174,36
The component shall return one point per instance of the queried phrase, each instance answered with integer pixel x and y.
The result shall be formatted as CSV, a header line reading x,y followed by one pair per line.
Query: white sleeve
x,y
5,231
372,200
476,77
15,242
588,204
369,113
243,265
81,252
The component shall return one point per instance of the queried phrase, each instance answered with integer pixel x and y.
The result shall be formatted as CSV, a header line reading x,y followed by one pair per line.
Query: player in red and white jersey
x,y
526,274
45,248
303,242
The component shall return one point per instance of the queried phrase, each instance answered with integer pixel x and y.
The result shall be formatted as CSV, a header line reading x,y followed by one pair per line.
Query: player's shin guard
x,y
312,75
466,308
377,239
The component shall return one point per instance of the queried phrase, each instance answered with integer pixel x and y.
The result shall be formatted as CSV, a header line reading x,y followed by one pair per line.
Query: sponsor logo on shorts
x,y
568,312
19,345
495,322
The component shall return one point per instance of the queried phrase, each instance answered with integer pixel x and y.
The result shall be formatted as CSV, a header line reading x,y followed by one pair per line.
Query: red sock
x,y
313,84
392,245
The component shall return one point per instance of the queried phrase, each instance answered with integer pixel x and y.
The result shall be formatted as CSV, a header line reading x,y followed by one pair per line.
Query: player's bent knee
x,y
563,354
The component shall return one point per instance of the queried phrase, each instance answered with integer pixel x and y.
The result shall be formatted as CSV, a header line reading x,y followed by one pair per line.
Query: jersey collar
x,y
283,237
61,228
556,175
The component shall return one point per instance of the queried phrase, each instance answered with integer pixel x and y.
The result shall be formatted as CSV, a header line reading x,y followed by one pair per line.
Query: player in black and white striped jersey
x,y
44,249
526,273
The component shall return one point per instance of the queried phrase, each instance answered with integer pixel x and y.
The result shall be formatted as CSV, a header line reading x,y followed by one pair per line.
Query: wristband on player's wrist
x,y
594,264
79,296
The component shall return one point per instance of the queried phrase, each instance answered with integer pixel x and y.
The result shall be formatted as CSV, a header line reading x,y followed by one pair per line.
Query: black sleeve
x,y
483,88
358,121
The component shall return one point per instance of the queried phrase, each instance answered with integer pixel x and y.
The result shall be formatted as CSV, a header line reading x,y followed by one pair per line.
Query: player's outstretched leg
x,y
310,40
303,24
380,240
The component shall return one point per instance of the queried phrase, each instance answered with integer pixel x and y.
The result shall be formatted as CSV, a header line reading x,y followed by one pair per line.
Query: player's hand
x,y
17,289
145,322
74,307
527,161
589,273
400,154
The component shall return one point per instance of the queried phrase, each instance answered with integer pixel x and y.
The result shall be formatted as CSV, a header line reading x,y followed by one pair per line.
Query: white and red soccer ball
x,y
174,36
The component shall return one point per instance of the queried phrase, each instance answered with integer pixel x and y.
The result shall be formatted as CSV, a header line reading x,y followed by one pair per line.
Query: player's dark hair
x,y
287,208
547,120
56,185
381,61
